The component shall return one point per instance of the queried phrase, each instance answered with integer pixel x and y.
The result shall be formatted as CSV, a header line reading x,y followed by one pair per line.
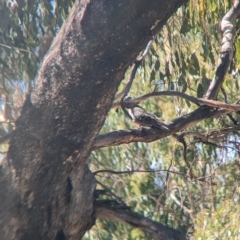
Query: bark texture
x,y
46,187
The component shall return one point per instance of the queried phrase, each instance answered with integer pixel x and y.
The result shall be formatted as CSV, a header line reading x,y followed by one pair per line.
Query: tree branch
x,y
146,134
182,140
111,193
135,171
198,101
157,94
210,135
170,211
216,104
157,230
226,56
135,66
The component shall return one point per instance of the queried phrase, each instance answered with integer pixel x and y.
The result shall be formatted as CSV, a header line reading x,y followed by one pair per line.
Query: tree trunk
x,y
46,186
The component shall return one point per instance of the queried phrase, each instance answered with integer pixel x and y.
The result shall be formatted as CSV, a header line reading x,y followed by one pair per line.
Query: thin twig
x,y
171,212
182,140
135,171
135,66
224,94
211,134
158,94
20,49
110,192
198,101
189,211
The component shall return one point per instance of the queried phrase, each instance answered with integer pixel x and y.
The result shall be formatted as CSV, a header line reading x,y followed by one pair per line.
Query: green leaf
x,y
161,75
167,71
172,87
194,61
200,90
188,103
182,83
152,77
177,58
157,65
236,84
212,58
205,83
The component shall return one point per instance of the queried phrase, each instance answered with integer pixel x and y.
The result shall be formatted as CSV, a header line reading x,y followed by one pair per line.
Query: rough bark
x,y
46,187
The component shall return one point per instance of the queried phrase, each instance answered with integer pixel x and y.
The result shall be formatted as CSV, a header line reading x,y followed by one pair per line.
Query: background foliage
x,y
183,58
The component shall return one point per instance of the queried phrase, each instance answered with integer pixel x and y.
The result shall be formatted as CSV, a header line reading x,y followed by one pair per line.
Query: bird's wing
x,y
147,119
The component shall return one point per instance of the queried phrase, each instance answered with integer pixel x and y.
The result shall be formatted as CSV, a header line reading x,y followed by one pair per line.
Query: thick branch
x,y
156,230
226,50
150,134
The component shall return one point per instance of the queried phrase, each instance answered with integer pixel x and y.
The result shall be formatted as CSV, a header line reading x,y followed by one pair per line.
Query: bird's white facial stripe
x,y
131,114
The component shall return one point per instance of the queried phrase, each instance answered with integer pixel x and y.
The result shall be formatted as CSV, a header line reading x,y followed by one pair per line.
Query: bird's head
x,y
128,103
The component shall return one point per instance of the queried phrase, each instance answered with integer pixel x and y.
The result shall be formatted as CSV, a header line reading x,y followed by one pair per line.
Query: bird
x,y
142,117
